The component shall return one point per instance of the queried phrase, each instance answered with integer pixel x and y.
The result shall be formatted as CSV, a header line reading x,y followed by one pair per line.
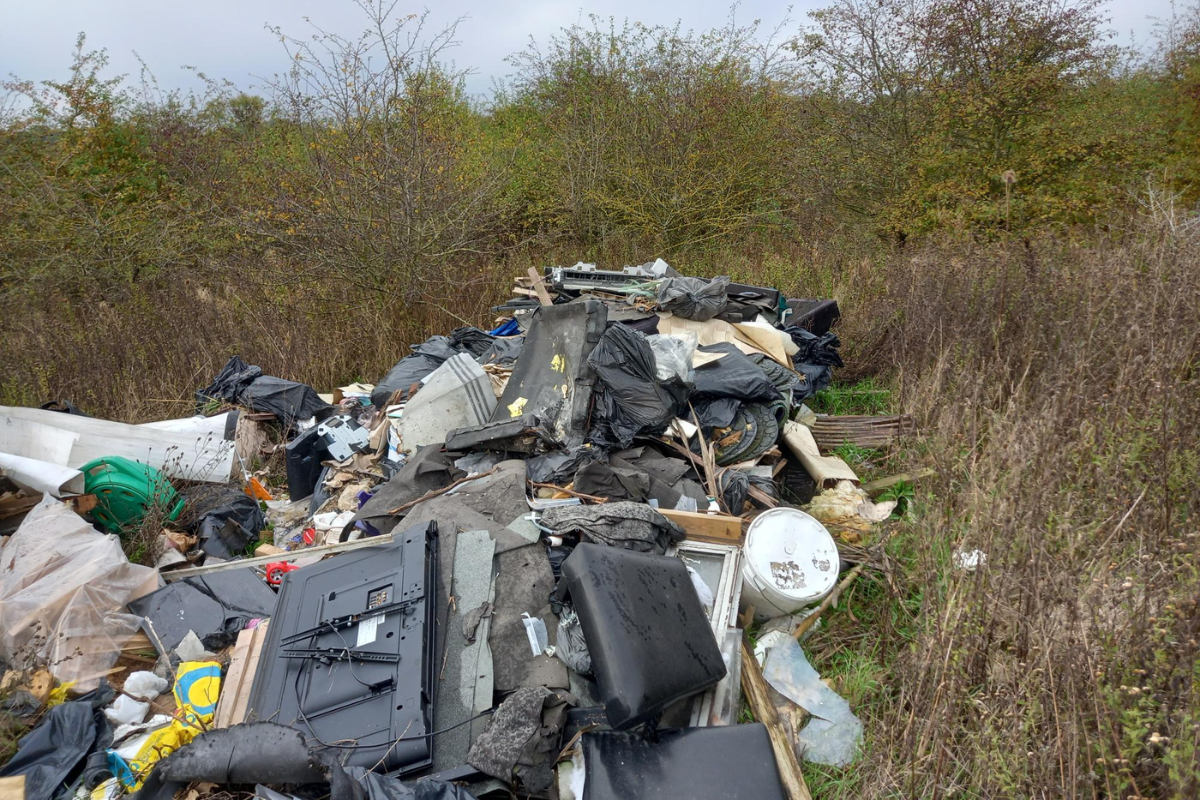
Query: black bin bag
x,y
694,298
631,400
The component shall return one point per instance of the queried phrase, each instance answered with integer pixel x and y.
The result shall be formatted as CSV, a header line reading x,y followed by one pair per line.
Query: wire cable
x,y
389,744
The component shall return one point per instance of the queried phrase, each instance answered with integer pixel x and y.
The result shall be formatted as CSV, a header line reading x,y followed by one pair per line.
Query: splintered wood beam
x,y
764,711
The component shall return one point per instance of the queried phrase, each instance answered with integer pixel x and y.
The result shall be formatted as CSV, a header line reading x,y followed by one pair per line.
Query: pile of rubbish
x,y
522,563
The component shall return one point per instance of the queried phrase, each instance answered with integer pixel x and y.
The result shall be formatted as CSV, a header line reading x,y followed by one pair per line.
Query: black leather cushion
x,y
650,640
726,763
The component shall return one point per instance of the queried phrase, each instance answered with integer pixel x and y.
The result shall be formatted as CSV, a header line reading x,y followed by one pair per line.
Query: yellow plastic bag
x,y
197,687
58,696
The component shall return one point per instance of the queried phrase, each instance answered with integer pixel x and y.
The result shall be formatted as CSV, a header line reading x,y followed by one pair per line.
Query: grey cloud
x,y
228,38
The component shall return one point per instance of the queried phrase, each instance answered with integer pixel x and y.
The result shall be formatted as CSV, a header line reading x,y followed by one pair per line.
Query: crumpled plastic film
x,y
62,588
831,737
570,645
673,356
197,688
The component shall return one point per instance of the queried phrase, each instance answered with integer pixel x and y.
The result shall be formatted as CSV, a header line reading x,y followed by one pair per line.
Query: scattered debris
x,y
970,560
517,563
881,485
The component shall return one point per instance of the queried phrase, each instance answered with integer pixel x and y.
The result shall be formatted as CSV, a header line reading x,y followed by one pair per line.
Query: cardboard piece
x,y
825,470
775,342
748,337
12,788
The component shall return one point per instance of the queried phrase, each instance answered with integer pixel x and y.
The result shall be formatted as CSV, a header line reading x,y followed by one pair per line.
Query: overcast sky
x,y
228,38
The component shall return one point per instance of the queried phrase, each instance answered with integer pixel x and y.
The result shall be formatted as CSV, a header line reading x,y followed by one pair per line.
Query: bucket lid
x,y
793,553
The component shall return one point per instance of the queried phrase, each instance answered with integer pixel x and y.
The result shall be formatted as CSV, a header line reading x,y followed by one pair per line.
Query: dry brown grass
x,y
1057,393
141,356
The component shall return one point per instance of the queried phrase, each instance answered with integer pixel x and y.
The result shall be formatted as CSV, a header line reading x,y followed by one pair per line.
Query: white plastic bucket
x,y
789,562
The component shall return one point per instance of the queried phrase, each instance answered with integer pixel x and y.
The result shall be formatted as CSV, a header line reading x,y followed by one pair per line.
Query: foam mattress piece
x,y
733,762
650,641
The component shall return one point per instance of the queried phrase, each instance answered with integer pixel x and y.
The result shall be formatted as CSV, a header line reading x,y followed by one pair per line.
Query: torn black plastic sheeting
x,y
216,606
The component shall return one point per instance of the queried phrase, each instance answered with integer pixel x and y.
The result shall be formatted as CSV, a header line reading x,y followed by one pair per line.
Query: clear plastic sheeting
x,y
831,737
702,591
673,355
62,586
539,637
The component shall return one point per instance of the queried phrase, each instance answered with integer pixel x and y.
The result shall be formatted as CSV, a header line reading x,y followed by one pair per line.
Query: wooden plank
x,y
759,700
84,503
12,788
267,549
256,649
540,287
234,680
13,504
239,678
878,487
258,561
807,623
716,528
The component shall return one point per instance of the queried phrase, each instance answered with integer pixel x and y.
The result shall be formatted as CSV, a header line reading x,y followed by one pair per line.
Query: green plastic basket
x,y
125,489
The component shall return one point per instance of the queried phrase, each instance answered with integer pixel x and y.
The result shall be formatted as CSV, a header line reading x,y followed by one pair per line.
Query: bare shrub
x,y
388,186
